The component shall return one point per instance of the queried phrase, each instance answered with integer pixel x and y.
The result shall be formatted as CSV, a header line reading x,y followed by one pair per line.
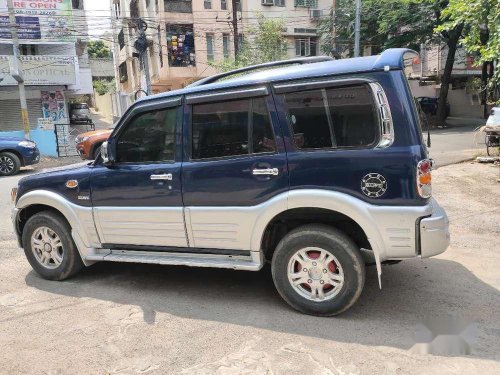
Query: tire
x,y
9,164
96,152
340,249
41,226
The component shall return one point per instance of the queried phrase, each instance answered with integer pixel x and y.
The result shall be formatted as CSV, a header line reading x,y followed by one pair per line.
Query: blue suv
x,y
315,166
16,153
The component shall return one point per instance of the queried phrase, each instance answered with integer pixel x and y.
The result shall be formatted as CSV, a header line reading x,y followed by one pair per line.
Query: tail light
x,y
424,178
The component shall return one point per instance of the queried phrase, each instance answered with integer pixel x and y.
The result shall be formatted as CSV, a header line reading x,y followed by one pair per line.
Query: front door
x,y
137,201
234,164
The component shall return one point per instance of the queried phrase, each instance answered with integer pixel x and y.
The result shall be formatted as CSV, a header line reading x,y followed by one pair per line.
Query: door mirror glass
x,y
104,153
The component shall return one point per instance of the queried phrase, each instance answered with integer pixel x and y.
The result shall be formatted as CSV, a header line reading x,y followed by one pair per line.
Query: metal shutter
x,y
10,114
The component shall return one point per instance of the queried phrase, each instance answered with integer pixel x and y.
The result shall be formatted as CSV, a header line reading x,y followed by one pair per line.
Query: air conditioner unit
x,y
267,2
316,14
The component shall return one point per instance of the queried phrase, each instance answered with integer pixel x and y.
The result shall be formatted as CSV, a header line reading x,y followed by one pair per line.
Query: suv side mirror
x,y
106,154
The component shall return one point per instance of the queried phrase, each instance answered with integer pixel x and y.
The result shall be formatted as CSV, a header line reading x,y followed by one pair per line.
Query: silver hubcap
x,y
6,164
47,247
315,274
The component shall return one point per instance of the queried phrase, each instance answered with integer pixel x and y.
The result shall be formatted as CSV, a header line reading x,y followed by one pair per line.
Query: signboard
x,y
45,123
39,20
54,107
41,70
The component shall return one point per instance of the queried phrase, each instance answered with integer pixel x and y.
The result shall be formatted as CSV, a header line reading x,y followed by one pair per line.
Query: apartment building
x,y
184,36
52,37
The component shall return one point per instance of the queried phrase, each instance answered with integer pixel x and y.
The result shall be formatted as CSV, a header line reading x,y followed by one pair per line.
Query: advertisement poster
x,y
39,19
54,107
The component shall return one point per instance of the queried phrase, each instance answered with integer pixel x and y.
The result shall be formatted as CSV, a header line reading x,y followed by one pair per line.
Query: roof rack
x,y
299,61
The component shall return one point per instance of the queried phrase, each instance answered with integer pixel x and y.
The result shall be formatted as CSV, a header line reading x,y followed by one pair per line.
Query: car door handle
x,y
164,176
266,172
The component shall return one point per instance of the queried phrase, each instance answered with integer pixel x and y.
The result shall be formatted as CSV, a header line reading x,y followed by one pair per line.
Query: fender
x,y
79,218
391,231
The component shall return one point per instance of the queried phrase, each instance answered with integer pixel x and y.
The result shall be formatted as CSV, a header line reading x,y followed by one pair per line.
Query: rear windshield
x,y
80,106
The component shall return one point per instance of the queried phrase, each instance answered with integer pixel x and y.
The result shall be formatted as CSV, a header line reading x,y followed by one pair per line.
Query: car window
x,y
80,106
148,137
333,118
231,128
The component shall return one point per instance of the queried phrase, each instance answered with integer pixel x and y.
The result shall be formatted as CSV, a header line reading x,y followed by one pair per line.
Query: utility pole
x,y
17,62
141,45
235,27
357,28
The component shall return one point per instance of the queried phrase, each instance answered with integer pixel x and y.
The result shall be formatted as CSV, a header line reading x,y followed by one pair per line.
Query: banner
x,y
47,20
54,107
41,71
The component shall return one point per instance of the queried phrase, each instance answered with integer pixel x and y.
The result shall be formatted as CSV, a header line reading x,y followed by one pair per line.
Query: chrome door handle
x,y
165,176
266,172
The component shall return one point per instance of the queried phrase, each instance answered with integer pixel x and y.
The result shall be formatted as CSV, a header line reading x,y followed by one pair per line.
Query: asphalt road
x,y
144,319
458,142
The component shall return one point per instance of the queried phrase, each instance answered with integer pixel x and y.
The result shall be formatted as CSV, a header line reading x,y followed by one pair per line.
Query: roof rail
x,y
300,61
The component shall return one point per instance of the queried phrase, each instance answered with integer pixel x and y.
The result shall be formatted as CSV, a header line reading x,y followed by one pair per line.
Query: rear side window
x,y
231,128
148,137
342,117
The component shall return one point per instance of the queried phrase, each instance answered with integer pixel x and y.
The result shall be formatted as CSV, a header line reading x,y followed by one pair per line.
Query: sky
x,y
98,16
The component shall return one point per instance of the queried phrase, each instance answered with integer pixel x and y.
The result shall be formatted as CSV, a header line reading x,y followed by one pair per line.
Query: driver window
x,y
149,137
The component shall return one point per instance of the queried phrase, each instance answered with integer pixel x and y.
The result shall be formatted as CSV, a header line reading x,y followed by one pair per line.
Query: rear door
x,y
234,163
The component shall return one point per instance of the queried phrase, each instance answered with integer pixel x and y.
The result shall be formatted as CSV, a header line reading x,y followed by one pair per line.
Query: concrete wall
x,y
462,105
104,105
417,90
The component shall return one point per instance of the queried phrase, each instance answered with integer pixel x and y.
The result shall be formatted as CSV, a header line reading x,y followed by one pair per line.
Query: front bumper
x,y
31,156
434,232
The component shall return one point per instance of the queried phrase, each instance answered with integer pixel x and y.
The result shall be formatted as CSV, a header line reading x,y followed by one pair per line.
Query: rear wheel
x,y
318,270
49,247
9,164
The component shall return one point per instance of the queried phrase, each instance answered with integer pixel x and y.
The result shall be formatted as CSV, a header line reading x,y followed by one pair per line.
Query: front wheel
x,y
49,247
9,164
318,270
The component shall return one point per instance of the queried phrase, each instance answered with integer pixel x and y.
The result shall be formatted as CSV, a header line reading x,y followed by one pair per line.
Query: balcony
x,y
178,6
41,70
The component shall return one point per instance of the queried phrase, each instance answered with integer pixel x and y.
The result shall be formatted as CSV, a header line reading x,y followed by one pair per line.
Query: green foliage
x,y
481,20
266,43
102,86
97,49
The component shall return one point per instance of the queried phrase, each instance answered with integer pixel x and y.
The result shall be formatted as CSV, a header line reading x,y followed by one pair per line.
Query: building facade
x,y
53,58
185,36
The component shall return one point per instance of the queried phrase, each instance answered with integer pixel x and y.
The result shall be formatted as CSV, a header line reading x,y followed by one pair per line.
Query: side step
x,y
251,262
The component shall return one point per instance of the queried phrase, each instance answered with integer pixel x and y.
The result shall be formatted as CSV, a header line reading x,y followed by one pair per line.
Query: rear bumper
x,y
434,232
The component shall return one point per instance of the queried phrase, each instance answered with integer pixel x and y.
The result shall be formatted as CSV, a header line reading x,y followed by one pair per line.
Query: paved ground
x,y
458,142
140,319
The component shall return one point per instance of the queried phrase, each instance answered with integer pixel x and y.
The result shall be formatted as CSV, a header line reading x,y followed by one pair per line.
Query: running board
x,y
251,262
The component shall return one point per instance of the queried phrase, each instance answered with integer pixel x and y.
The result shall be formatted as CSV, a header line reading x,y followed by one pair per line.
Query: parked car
x,y
80,113
16,153
89,144
430,105
315,166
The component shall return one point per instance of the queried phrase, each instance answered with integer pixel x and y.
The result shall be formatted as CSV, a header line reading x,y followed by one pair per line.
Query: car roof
x,y
390,59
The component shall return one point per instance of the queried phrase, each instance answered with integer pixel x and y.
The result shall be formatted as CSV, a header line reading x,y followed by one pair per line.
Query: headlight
x,y
28,144
13,194
83,139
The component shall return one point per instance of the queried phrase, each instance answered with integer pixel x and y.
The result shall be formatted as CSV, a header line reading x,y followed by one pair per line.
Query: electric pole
x,y
235,27
141,45
18,77
357,28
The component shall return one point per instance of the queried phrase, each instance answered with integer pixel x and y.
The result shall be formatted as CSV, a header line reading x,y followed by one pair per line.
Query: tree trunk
x,y
452,42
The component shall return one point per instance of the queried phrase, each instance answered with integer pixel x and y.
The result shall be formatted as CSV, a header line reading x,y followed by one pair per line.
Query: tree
x,y
267,43
103,86
97,49
481,35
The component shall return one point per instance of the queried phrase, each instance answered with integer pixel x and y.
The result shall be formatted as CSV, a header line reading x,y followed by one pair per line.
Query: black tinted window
x,y
149,137
330,118
230,128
